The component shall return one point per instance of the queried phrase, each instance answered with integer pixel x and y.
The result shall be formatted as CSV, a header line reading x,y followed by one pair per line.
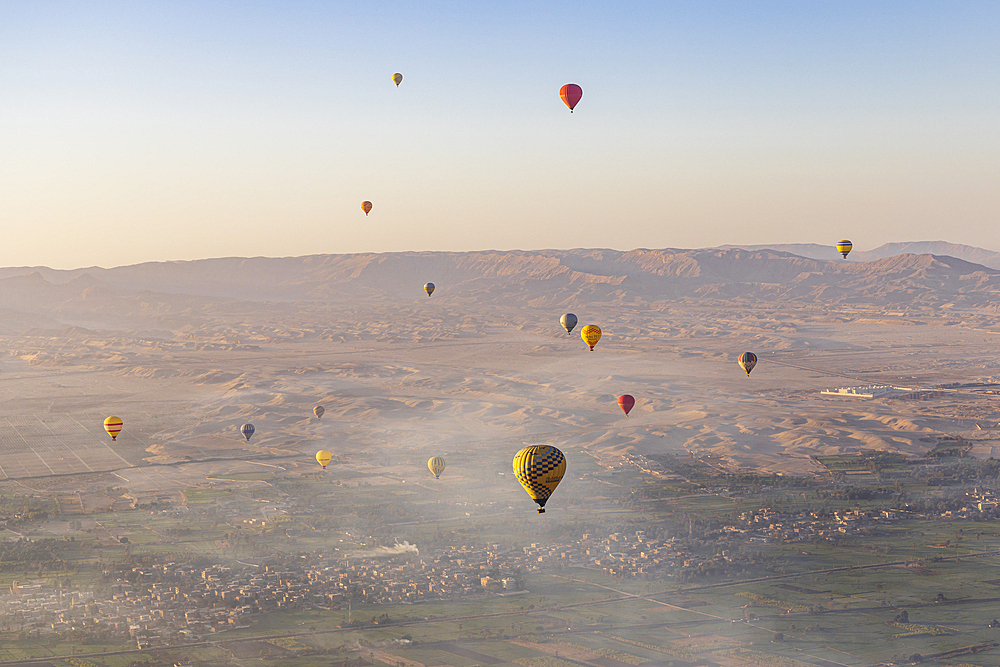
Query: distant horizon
x,y
777,246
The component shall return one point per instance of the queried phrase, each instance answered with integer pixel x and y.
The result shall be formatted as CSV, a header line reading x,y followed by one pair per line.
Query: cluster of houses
x,y
169,601
165,602
770,525
766,525
978,503
631,555
981,500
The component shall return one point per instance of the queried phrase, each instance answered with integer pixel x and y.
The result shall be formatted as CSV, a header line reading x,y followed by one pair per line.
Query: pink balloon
x,y
571,94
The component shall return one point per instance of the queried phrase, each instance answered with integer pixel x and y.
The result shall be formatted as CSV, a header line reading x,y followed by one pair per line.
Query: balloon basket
x,y
541,510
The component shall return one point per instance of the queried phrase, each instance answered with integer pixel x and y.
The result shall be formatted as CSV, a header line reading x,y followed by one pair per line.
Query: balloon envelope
x,y
113,425
571,94
397,79
436,465
747,361
626,402
366,206
591,334
323,457
539,469
568,321
247,430
844,247
318,411
429,288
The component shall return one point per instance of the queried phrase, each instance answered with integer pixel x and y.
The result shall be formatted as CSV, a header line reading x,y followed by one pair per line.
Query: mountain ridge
x,y
987,258
168,295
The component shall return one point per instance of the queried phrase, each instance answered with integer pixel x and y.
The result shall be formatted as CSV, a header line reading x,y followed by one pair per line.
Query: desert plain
x,y
483,366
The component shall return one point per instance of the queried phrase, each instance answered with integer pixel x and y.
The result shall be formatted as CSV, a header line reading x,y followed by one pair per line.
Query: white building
x,y
869,391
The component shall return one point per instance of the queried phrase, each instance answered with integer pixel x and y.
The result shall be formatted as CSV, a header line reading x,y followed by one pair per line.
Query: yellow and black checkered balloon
x,y
539,469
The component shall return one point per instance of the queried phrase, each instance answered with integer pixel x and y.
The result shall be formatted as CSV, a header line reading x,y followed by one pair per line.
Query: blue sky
x,y
138,131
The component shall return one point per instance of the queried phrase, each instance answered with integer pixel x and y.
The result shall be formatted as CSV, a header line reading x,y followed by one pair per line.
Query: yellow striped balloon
x,y
397,79
591,334
844,247
539,469
323,457
436,466
318,411
113,425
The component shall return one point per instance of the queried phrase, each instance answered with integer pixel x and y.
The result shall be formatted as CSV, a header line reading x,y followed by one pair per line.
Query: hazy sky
x,y
134,131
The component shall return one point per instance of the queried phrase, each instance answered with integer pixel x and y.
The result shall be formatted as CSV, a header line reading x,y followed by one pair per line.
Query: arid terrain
x,y
185,352
672,540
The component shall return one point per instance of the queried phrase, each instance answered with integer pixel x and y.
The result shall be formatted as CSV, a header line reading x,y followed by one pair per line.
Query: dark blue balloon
x,y
247,431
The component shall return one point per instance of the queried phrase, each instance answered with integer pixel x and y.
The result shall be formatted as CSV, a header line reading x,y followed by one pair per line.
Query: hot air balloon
x,y
113,425
539,469
323,457
626,402
247,430
844,247
397,79
591,334
429,288
568,321
571,94
366,206
747,361
436,466
318,411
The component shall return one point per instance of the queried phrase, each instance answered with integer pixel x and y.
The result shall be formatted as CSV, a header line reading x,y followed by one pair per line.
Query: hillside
x,y
987,258
172,295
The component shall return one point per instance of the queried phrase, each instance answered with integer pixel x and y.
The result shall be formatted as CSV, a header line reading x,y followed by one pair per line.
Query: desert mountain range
x,y
988,258
171,295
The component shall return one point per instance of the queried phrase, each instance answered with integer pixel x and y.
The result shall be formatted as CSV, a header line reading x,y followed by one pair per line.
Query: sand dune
x,y
185,352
